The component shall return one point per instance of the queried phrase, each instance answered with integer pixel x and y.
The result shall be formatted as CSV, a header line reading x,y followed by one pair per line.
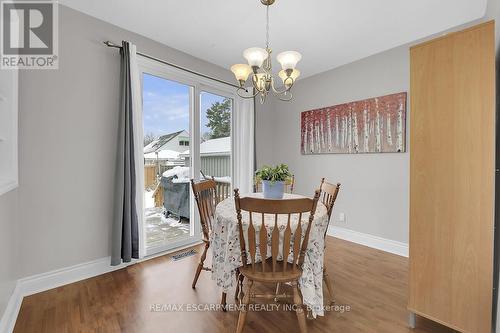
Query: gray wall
x,y
61,213
374,194
68,134
8,246
375,191
264,131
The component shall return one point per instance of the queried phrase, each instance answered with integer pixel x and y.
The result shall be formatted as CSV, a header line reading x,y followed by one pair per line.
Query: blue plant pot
x,y
273,190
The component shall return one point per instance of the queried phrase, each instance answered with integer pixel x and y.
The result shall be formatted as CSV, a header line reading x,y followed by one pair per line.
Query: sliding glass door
x,y
166,127
216,143
187,134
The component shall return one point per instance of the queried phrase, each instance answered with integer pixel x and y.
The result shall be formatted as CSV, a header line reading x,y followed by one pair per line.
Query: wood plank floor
x,y
371,282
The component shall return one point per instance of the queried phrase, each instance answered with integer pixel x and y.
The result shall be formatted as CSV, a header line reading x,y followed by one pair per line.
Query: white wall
x,y
68,136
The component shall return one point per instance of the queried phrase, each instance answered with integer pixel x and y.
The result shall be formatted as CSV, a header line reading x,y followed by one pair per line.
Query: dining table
x,y
226,252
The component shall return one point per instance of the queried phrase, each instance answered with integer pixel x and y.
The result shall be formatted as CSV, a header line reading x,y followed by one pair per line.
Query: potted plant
x,y
273,180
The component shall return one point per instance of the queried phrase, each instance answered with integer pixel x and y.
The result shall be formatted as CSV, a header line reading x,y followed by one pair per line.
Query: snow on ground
x,y
149,201
161,230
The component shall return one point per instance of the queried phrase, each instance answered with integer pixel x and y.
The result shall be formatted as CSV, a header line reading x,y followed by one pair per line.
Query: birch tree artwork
x,y
375,125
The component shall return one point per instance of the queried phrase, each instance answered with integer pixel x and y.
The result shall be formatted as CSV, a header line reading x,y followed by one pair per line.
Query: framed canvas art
x,y
375,125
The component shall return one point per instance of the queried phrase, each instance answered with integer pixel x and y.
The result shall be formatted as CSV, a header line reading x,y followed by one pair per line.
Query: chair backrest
x,y
205,193
329,194
289,185
274,208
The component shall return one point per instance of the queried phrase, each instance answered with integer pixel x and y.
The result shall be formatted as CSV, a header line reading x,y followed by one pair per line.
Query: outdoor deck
x,y
160,229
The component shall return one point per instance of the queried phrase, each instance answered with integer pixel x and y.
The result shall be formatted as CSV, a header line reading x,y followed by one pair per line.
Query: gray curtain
x,y
125,237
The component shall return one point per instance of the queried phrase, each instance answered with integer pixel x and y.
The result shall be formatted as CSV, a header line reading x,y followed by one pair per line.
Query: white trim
x,y
41,282
10,181
60,277
170,247
8,320
379,243
8,186
197,85
166,72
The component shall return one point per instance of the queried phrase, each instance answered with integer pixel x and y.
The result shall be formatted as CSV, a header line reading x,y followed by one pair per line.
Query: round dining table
x,y
226,253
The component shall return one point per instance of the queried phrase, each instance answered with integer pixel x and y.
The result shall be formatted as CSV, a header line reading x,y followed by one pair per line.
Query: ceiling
x,y
328,33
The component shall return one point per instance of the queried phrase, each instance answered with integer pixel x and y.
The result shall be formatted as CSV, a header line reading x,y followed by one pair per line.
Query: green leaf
x,y
278,173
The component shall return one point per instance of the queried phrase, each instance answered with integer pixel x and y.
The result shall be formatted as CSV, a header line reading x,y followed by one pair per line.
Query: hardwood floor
x,y
373,283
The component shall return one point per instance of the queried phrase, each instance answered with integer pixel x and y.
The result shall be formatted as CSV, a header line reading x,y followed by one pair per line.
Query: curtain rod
x,y
111,44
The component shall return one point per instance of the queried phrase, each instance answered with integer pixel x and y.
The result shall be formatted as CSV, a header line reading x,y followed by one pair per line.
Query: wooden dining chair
x,y
289,185
206,199
329,194
272,270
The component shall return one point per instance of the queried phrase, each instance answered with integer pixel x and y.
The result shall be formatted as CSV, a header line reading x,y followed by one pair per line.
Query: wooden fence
x,y
159,195
149,176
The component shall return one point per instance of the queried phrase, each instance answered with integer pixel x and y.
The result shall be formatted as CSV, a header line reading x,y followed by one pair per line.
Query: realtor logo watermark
x,y
29,35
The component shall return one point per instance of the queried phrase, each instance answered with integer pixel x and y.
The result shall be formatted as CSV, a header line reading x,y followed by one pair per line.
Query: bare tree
x,y
149,137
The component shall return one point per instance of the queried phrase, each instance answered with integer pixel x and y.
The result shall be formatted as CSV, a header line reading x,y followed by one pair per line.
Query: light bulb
x,y
288,59
260,81
255,56
241,72
285,78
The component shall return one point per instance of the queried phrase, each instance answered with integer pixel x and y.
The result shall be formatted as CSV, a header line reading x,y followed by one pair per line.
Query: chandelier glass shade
x,y
259,67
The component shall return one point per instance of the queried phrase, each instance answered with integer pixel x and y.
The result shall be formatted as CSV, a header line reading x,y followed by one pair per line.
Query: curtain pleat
x,y
125,234
244,145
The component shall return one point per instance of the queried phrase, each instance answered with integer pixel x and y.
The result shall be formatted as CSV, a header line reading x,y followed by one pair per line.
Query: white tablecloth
x,y
227,255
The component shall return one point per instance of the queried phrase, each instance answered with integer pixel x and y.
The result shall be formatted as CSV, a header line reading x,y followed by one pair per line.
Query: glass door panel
x,y
215,137
167,108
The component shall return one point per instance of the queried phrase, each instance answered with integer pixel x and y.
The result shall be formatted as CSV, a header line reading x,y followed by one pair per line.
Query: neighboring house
x,y
163,157
177,141
164,151
215,157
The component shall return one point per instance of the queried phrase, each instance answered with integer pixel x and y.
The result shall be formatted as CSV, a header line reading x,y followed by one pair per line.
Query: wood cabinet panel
x,y
452,141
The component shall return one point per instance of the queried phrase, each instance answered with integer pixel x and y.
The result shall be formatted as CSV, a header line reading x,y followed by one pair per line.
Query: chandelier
x,y
260,67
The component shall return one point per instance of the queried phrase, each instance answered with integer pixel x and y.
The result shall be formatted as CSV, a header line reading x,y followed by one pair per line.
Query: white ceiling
x,y
328,33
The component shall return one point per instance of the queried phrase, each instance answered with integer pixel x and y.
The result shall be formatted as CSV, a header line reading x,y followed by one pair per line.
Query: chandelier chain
x,y
267,26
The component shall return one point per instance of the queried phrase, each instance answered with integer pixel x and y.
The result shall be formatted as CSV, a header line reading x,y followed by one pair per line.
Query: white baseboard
x,y
379,243
60,277
8,320
57,278
49,280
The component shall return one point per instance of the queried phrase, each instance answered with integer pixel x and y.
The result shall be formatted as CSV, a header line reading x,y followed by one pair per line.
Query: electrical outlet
x,y
341,217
